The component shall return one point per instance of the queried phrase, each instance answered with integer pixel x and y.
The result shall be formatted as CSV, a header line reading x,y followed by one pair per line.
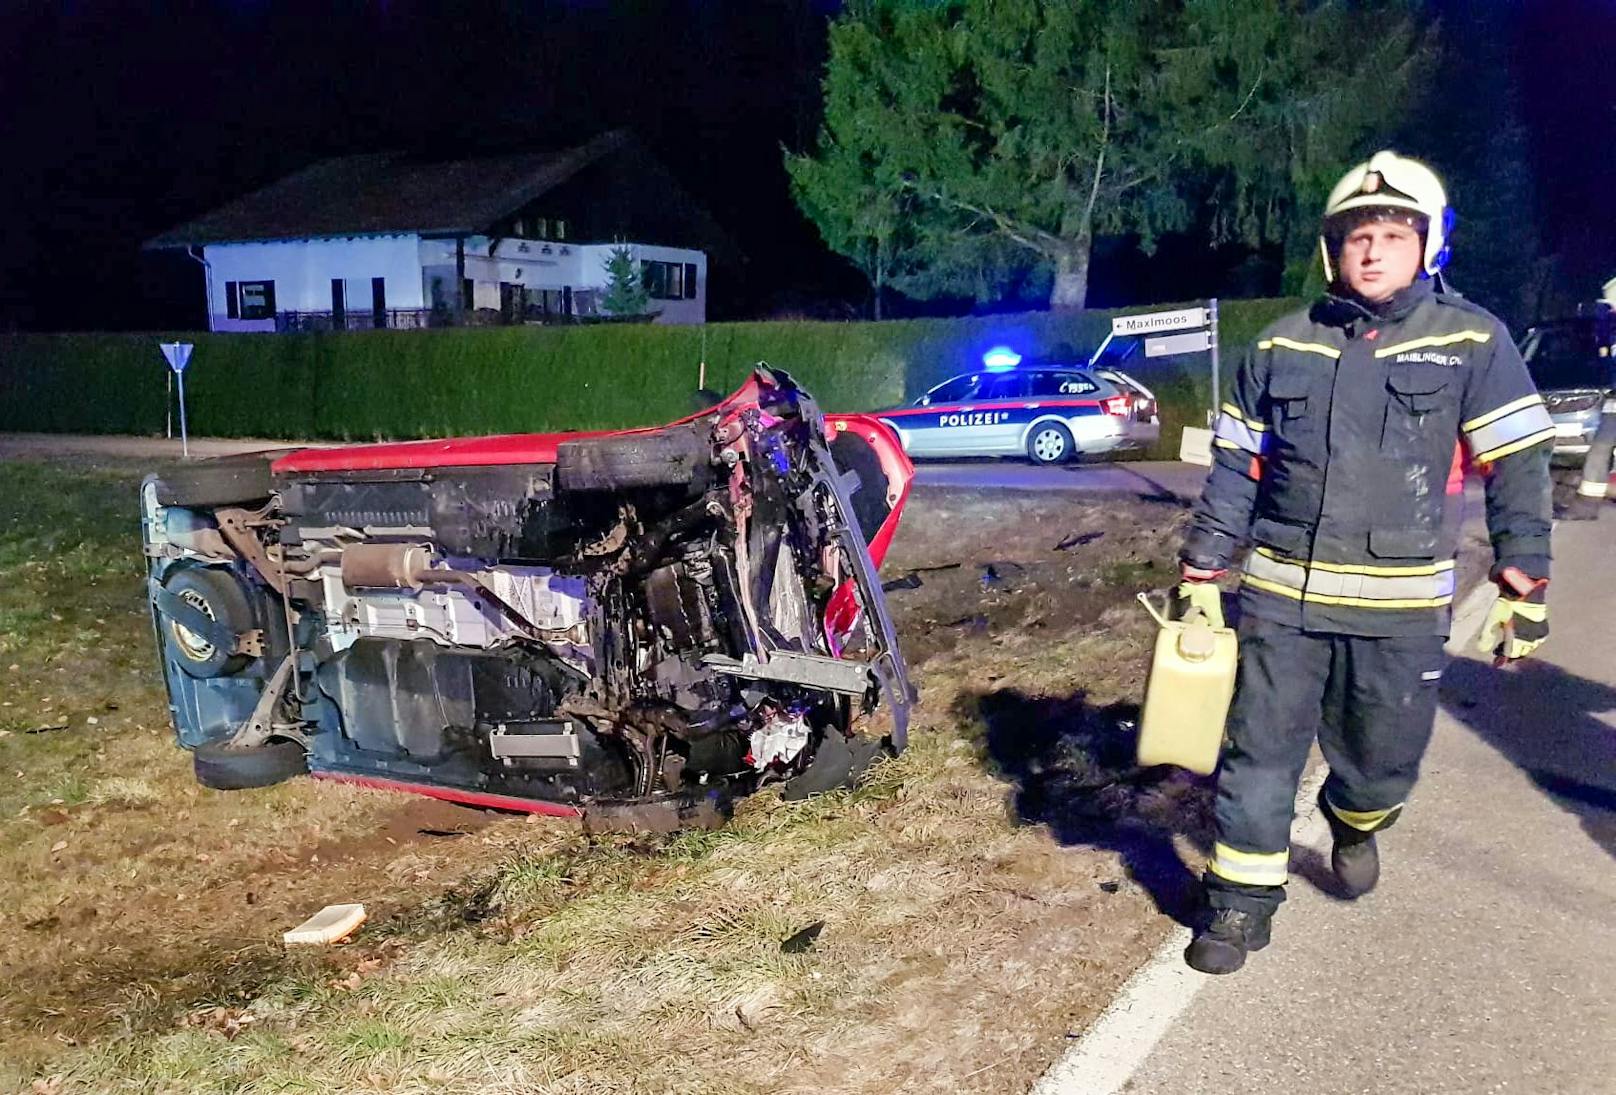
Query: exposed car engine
x,y
626,618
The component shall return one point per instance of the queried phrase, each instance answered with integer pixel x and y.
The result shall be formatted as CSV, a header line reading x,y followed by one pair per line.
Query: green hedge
x,y
399,384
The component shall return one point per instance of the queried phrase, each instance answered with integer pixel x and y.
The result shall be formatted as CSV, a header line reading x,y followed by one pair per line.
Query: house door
x,y
339,305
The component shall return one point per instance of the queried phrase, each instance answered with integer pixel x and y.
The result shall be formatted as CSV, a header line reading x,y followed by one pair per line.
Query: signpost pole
x,y
1217,389
185,438
168,407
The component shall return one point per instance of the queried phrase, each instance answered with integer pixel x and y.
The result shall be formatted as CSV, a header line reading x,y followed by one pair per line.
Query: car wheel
x,y
225,769
218,596
1050,443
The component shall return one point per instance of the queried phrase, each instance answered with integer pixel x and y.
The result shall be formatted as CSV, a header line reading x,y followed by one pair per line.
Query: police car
x,y
1048,412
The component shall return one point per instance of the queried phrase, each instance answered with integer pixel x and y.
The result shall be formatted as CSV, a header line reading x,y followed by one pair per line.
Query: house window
x,y
257,299
669,280
559,227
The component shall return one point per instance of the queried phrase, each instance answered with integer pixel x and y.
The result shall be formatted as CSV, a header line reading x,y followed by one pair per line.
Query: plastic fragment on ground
x,y
330,925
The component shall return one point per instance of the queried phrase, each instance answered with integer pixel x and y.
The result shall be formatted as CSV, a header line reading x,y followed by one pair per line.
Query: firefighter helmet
x,y
1389,185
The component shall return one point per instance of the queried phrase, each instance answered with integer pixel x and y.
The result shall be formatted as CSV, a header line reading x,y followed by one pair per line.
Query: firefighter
x,y
1594,487
1337,461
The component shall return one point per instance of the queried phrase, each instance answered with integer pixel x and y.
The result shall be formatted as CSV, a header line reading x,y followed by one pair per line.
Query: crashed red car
x,y
635,626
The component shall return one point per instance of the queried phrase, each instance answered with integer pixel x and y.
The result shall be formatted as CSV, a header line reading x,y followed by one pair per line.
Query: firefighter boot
x,y
1354,857
1223,946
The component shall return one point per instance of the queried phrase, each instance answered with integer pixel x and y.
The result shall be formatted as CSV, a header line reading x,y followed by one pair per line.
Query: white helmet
x,y
1391,182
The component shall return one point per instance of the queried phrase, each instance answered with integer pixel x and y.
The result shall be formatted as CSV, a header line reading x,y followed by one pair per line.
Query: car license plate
x,y
1568,429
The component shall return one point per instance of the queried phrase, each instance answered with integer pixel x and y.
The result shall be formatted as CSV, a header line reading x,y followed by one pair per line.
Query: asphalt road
x,y
1154,477
1486,960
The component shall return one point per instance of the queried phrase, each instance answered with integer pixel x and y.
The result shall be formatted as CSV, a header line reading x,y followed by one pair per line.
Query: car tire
x,y
224,481
225,769
669,458
1050,443
217,594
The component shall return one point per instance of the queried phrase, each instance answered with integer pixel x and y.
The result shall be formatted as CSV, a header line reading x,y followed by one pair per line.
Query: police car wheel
x,y
1050,443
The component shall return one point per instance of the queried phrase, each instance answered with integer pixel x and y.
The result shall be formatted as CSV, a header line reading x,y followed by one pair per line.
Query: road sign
x,y
1191,342
1150,323
178,355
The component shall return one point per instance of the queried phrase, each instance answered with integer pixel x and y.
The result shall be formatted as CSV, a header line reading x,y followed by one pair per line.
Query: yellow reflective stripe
x,y
1345,602
1251,423
1534,612
1222,444
1594,490
1436,340
1362,820
1514,446
1249,868
1346,568
1500,412
1304,347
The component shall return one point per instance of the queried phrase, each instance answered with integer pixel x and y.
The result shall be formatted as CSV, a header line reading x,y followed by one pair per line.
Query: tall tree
x,y
1043,123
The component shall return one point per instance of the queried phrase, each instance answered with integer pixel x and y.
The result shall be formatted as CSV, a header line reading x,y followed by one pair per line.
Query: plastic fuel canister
x,y
1188,692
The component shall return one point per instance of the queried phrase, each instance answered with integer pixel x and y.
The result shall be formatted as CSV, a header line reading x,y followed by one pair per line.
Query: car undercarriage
x,y
633,626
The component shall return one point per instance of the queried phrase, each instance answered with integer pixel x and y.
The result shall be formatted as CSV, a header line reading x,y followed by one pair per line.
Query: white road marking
x,y
1117,1043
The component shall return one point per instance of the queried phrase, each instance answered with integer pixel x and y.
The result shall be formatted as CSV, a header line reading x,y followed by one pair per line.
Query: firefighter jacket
x,y
1338,460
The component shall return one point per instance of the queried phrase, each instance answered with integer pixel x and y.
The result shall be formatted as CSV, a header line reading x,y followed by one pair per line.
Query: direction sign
x,y
1190,342
178,354
1150,323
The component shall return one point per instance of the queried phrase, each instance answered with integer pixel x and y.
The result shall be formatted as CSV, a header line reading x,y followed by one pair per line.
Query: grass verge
x,y
941,927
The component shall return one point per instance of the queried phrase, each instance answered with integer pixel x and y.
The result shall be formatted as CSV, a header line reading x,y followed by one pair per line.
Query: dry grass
x,y
979,897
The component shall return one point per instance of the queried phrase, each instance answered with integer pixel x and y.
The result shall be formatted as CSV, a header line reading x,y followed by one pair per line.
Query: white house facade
x,y
400,241
404,281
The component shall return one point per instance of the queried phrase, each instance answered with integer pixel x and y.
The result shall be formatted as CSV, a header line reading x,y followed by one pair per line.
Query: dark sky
x,y
119,120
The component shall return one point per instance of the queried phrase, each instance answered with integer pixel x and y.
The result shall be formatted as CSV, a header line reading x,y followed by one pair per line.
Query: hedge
x,y
401,384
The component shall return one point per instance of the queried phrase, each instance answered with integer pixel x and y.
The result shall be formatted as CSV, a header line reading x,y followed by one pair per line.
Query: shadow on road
x,y
1543,720
1071,767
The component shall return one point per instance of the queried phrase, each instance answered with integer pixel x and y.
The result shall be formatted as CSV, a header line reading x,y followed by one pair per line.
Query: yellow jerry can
x,y
1188,692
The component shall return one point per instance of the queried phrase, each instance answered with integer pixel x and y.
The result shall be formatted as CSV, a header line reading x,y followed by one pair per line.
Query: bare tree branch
x,y
1099,159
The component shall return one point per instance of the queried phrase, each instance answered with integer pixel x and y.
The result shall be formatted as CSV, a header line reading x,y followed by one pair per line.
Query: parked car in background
x,y
1572,364
634,626
1047,412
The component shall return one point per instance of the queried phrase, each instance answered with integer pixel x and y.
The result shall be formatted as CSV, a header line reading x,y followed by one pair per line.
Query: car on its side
x,y
634,626
1048,413
1573,364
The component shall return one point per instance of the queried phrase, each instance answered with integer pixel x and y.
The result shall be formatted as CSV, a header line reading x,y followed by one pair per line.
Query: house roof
x,y
391,193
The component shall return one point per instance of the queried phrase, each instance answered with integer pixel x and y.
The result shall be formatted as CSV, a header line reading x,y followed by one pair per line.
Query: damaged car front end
x,y
633,626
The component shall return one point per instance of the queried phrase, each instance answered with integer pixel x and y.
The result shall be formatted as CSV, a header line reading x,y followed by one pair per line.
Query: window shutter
x,y
232,308
690,281
269,299
378,301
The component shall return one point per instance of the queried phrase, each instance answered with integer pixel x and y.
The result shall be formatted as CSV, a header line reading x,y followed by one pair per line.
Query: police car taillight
x,y
1119,405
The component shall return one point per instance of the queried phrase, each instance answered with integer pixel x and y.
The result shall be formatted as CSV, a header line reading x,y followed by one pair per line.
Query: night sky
x,y
119,121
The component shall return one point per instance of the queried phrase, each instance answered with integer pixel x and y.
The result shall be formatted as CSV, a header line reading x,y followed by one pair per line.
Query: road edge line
x,y
1110,1051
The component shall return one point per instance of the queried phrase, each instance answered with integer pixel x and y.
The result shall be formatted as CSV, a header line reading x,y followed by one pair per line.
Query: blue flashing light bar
x,y
1000,359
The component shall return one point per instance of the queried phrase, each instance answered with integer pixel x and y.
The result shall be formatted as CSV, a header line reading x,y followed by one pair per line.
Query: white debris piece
x,y
779,740
330,924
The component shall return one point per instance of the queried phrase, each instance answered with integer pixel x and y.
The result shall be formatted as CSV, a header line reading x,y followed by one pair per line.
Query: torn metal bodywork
x,y
632,624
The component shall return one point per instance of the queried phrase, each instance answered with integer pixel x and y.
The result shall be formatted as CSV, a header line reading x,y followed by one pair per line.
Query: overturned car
x,y
634,626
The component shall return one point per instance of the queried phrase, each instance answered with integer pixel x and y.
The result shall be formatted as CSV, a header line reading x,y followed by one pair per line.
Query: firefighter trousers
x,y
1371,703
1594,487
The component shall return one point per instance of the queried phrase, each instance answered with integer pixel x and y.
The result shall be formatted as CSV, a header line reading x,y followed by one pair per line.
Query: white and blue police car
x,y
1048,412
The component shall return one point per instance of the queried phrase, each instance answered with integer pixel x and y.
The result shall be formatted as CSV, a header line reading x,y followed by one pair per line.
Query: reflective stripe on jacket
x,y
1333,461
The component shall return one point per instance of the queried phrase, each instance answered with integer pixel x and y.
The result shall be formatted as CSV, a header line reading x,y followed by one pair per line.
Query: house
x,y
406,240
